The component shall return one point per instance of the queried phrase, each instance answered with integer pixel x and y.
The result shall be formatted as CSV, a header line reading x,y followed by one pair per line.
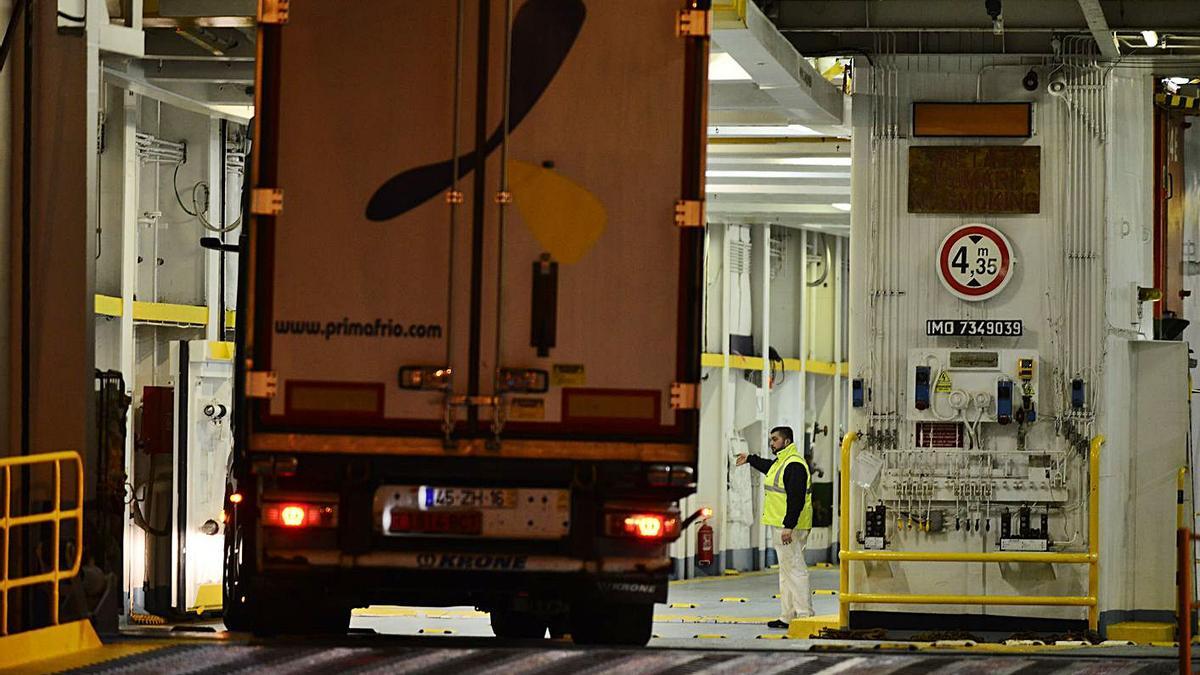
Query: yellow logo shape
x,y
562,215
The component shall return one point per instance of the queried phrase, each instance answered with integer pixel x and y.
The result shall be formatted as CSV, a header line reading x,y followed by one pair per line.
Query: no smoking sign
x,y
975,262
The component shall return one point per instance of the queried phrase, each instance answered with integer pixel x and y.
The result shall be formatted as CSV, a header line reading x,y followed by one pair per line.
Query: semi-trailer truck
x,y
469,316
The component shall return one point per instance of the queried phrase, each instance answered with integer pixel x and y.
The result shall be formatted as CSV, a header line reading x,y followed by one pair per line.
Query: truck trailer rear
x,y
470,317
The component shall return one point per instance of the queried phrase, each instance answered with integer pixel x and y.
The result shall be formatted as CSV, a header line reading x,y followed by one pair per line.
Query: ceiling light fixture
x,y
755,130
1151,38
723,68
841,206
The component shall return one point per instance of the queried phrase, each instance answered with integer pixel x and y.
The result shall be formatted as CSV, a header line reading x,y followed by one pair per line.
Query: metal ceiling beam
x,y
199,22
738,95
207,7
1019,15
167,45
133,81
237,72
779,70
1093,13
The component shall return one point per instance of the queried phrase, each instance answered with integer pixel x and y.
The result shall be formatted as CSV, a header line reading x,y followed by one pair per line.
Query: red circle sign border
x,y
993,287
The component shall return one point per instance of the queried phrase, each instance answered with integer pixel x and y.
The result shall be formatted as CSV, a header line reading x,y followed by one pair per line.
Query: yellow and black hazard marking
x,y
1177,102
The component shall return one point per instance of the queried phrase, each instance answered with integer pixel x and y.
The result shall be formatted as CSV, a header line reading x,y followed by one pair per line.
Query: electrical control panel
x,y
972,385
1024,530
876,527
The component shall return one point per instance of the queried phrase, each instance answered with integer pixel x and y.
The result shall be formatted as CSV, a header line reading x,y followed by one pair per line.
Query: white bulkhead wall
x,y
802,309
1076,262
164,264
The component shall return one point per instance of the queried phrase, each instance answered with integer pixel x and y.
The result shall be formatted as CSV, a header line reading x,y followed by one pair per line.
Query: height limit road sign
x,y
975,262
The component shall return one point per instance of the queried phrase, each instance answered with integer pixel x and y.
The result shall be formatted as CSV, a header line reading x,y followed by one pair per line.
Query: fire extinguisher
x,y
704,544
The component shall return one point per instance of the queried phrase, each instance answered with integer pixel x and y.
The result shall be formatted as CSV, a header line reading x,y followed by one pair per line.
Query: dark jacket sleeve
x,y
761,463
795,481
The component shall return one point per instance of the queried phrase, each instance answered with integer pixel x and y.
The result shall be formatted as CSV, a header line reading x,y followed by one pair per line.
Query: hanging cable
x,y
825,266
175,185
200,206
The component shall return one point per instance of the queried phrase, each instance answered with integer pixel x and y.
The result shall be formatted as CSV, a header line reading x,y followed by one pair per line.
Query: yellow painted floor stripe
x,y
677,618
709,636
733,599
898,646
89,657
721,619
436,631
683,605
773,636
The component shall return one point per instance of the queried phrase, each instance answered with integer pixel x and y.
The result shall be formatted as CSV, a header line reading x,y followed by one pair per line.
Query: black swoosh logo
x,y
543,33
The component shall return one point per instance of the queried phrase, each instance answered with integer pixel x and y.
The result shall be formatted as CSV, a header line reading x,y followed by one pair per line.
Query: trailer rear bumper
x,y
465,561
482,579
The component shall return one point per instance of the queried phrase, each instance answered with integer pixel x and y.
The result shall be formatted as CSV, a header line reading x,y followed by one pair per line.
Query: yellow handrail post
x,y
844,533
4,561
55,516
1094,530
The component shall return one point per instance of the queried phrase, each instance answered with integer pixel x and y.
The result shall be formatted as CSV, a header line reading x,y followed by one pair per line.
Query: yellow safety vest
x,y
775,496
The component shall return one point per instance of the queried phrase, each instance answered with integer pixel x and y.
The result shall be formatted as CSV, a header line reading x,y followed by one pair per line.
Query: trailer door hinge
x,y
689,213
694,23
685,396
273,11
266,201
261,384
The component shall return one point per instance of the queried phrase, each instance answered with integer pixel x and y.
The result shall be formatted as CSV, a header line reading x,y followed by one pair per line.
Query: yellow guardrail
x,y
56,515
846,596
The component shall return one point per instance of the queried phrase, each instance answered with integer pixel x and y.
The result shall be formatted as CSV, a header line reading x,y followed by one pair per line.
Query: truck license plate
x,y
435,522
436,498
484,512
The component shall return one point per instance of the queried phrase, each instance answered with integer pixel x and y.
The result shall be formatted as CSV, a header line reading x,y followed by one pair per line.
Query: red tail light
x,y
656,526
644,526
299,514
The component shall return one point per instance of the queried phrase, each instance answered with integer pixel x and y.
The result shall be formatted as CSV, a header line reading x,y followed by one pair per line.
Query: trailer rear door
x,y
424,227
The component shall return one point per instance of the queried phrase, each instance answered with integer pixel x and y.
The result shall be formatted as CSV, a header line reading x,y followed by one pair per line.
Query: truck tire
x,y
235,609
612,624
511,624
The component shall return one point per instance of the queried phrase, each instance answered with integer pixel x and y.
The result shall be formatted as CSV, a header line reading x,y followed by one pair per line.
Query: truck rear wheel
x,y
512,624
235,610
612,624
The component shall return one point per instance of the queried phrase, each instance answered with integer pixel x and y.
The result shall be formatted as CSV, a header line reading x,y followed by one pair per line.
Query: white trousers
x,y
794,596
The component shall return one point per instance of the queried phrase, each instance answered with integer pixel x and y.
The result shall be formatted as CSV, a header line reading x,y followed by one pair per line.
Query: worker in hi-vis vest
x,y
786,506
